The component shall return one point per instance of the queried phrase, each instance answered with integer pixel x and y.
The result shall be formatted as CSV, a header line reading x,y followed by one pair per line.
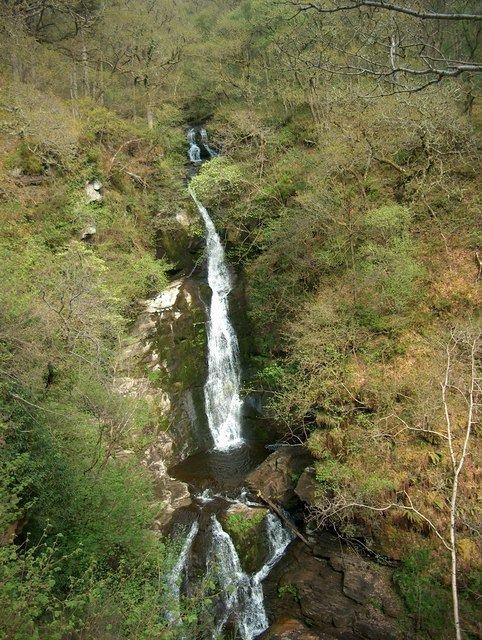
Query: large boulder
x,y
335,592
306,486
276,477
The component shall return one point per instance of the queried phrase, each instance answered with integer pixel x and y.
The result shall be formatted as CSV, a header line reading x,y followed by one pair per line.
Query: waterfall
x,y
205,141
278,539
174,578
221,391
194,150
240,593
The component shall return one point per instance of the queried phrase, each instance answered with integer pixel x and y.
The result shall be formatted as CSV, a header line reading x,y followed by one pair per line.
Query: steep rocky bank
x,y
155,367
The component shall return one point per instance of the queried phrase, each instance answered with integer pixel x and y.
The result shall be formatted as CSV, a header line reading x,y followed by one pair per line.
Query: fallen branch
x,y
279,512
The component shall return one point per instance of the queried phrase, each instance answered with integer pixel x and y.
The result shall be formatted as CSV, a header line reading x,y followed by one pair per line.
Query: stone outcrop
x,y
93,191
276,477
335,592
172,493
87,234
141,368
306,486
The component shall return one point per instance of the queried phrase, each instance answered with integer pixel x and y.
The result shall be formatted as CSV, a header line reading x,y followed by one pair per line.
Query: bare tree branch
x,y
387,6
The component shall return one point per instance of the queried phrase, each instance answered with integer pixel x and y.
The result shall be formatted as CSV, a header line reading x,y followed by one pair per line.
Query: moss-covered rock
x,y
245,525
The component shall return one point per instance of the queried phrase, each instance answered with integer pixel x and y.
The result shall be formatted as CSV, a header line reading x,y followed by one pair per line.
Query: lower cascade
x,y
241,594
174,579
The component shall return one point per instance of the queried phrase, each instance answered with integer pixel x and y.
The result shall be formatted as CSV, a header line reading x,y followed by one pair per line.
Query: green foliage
x,y
136,276
289,590
332,473
128,603
353,223
78,554
14,481
28,606
217,182
423,594
25,159
271,374
100,124
385,223
388,275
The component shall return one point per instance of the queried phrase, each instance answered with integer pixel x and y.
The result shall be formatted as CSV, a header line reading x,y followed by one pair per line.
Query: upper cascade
x,y
222,388
174,578
194,151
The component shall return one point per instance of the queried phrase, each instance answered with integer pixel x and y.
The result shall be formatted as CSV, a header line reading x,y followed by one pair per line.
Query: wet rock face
x,y
145,368
335,593
177,240
179,348
276,477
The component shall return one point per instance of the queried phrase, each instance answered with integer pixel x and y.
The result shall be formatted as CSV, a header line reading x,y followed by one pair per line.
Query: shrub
x,y
218,181
385,223
26,159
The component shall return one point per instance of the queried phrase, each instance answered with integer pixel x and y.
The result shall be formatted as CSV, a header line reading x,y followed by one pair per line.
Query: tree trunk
x,y
149,111
16,66
150,118
101,82
453,553
85,67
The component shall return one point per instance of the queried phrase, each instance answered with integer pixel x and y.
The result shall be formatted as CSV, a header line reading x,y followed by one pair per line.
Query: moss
x,y
247,534
183,347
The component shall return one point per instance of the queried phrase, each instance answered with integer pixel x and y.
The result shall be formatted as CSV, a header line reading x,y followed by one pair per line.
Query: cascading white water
x,y
194,151
205,141
240,593
233,582
278,539
174,578
221,391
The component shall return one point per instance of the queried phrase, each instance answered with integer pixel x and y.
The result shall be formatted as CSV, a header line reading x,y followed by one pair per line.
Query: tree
x,y
404,47
143,44
461,392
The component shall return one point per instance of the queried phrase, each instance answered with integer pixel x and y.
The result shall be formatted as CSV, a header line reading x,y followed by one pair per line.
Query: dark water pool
x,y
220,469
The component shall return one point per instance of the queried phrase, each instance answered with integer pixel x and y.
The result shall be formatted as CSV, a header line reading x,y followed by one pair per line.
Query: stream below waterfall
x,y
216,473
